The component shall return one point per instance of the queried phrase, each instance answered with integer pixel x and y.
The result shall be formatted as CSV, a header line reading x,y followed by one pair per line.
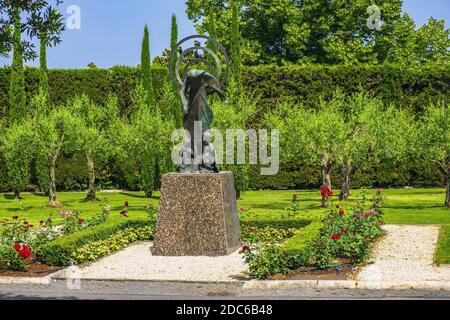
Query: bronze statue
x,y
198,155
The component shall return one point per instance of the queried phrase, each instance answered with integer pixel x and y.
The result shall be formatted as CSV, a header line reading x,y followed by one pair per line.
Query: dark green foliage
x,y
235,43
17,98
413,87
146,66
174,38
402,87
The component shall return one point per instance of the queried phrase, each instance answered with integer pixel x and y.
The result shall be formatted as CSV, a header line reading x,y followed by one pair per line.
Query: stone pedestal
x,y
197,215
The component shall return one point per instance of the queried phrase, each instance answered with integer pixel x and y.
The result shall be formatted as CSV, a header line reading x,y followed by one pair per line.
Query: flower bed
x,y
339,240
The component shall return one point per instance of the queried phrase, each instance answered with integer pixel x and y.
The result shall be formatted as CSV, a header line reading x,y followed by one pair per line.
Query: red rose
x,y
335,236
81,220
241,209
379,191
126,204
341,212
25,253
245,248
124,213
25,222
17,247
326,192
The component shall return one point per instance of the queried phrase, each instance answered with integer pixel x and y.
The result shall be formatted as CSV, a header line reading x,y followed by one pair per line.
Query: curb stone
x,y
23,280
346,284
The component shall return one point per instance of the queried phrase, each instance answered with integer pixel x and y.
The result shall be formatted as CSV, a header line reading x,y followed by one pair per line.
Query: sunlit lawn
x,y
403,206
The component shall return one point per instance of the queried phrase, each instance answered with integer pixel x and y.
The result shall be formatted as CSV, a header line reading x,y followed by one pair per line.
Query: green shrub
x,y
95,250
264,260
9,259
58,252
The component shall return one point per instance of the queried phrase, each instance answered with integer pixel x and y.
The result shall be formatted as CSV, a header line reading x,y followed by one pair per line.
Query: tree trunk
x,y
91,196
447,195
53,202
17,195
326,176
345,188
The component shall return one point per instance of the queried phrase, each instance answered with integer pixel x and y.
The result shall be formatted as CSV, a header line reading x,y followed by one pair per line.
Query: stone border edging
x,y
25,280
346,284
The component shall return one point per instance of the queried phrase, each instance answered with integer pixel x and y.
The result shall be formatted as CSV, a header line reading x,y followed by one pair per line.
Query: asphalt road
x,y
110,290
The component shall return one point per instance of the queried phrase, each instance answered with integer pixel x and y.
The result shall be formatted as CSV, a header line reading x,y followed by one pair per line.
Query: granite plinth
x,y
197,216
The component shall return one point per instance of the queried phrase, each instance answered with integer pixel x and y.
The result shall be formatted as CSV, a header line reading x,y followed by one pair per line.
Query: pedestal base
x,y
197,215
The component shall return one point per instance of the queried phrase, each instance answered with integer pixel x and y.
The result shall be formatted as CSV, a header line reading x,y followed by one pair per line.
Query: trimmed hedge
x,y
58,252
414,88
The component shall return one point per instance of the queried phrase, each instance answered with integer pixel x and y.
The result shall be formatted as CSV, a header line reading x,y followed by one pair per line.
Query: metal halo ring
x,y
198,60
187,51
172,72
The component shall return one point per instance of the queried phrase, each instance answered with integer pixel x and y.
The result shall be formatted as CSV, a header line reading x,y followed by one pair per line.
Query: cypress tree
x,y
17,97
212,32
43,81
235,43
174,38
146,67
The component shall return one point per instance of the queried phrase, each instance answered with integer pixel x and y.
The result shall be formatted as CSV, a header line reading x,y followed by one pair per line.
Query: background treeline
x,y
413,88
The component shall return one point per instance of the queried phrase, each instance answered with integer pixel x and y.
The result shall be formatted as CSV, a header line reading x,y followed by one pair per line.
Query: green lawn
x,y
403,206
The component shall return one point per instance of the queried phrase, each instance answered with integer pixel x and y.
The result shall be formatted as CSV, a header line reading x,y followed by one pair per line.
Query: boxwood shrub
x,y
59,251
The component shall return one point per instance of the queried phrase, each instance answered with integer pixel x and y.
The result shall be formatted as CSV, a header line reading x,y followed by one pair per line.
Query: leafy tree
x,y
435,141
376,137
235,43
94,135
312,136
31,26
144,140
321,31
235,112
146,68
55,129
17,97
17,149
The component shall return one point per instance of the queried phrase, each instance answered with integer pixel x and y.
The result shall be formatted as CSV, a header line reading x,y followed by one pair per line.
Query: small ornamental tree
x,y
235,113
17,148
55,129
312,136
96,122
435,142
144,140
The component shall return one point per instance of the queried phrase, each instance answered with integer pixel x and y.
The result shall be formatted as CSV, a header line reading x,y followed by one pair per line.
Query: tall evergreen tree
x,y
43,80
235,43
17,97
174,38
146,67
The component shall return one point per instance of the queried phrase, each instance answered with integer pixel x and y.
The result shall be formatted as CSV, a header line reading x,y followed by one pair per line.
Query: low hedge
x,y
59,251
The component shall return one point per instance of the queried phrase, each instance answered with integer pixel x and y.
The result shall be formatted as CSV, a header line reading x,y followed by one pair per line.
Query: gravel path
x,y
137,263
406,254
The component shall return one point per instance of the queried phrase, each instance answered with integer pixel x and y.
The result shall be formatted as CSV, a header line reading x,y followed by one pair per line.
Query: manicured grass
x,y
403,206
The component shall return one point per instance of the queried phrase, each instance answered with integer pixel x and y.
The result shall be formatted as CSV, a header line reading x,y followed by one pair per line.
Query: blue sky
x,y
111,30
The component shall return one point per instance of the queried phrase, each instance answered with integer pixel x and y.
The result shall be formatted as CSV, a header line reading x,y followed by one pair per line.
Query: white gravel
x,y
405,254
137,263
